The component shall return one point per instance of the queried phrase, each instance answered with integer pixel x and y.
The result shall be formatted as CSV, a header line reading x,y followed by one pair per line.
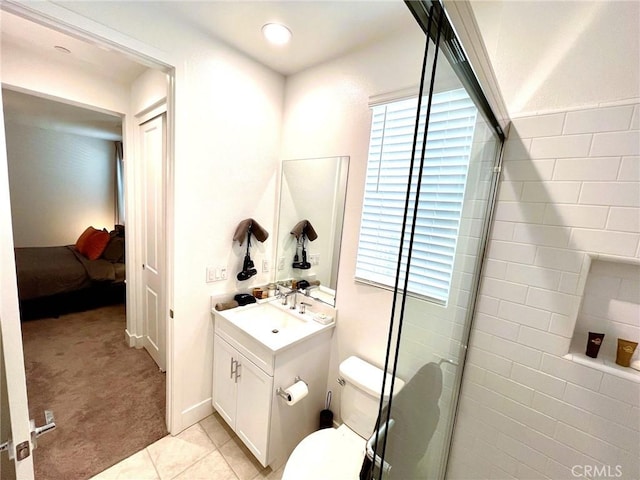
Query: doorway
x,y
135,324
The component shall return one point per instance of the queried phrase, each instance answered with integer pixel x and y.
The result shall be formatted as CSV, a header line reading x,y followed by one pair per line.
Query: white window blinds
x,y
448,148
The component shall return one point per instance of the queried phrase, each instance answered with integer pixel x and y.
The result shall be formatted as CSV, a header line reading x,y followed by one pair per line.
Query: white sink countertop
x,y
274,325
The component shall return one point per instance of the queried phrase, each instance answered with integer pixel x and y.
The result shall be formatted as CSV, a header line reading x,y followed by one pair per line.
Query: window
x,y
448,147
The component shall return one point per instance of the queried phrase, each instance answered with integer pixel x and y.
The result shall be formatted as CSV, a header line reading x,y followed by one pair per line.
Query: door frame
x,y
75,25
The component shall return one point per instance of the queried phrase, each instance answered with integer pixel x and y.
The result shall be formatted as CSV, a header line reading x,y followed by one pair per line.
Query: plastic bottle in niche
x,y
593,344
626,348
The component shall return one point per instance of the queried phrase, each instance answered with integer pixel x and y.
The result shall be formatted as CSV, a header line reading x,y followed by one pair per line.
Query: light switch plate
x,y
215,274
211,274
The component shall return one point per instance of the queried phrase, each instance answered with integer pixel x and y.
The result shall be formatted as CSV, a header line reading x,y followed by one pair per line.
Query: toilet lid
x,y
327,454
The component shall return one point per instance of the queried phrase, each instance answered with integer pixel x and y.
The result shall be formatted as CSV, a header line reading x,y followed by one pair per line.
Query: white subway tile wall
x,y
571,186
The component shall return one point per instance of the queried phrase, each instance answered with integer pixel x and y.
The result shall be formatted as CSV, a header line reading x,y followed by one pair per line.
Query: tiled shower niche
x,y
610,305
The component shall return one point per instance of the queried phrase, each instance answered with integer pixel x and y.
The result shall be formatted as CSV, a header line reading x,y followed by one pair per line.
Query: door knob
x,y
50,424
22,450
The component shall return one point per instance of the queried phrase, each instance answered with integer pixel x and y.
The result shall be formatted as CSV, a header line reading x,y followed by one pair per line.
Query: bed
x,y
61,279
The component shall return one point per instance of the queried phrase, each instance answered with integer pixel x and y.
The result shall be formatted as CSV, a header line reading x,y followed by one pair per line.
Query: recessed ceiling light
x,y
62,49
276,33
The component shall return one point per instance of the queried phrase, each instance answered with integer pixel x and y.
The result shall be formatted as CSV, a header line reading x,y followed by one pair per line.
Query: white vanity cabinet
x,y
242,396
246,375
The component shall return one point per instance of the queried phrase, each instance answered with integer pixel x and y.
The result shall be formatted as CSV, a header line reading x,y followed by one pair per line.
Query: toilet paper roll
x,y
296,392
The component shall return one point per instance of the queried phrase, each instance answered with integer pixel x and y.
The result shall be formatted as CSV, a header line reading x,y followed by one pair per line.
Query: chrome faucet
x,y
285,299
284,293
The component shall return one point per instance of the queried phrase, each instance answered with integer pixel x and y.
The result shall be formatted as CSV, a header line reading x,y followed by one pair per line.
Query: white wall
x,y
148,90
60,184
327,114
561,55
228,117
571,186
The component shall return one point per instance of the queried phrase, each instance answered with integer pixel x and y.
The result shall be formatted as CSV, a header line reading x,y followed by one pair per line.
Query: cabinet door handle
x,y
237,371
233,370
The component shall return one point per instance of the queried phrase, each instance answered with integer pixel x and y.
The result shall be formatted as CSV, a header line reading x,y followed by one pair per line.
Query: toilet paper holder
x,y
281,393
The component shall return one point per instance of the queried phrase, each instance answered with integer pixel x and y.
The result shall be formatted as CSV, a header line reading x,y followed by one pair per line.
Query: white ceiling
x,y
322,30
18,33
34,39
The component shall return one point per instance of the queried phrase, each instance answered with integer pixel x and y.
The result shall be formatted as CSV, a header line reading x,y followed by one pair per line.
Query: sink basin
x,y
267,318
274,325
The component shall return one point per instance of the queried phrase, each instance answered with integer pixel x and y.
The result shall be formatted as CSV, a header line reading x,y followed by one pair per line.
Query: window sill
x,y
424,298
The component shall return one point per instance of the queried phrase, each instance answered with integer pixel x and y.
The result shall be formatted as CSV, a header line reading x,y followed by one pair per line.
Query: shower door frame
x,y
443,37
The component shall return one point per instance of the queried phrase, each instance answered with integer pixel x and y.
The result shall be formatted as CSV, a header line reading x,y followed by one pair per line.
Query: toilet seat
x,y
331,453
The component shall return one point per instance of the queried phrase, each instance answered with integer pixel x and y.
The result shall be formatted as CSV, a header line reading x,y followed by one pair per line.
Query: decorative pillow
x,y
84,236
96,244
114,252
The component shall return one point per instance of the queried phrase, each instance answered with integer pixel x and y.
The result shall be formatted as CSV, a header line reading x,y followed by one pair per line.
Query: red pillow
x,y
95,245
83,238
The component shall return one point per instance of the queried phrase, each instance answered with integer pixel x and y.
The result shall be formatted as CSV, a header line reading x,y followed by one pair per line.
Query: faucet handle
x,y
303,306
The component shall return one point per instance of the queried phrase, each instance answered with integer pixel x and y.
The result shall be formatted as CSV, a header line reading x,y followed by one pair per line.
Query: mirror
x,y
312,198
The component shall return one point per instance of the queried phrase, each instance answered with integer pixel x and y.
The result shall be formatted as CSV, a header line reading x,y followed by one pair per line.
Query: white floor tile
x,y
138,466
219,432
173,455
211,467
243,463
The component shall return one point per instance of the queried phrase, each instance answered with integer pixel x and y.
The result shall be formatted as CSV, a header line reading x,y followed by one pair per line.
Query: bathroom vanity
x,y
259,348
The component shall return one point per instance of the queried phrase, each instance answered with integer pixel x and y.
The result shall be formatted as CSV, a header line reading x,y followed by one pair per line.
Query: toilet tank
x,y
360,396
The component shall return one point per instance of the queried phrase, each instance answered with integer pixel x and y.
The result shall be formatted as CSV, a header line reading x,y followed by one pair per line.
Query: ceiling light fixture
x,y
62,49
276,33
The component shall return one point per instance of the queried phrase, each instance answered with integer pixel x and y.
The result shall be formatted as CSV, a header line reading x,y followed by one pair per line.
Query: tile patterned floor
x,y
208,450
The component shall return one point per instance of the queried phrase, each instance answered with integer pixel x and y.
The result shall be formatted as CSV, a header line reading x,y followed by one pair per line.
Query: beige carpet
x,y
108,399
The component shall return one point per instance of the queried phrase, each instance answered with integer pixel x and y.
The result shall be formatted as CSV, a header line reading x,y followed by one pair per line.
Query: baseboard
x,y
133,340
197,412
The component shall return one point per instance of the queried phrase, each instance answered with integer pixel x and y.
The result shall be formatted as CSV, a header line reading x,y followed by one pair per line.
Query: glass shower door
x,y
448,205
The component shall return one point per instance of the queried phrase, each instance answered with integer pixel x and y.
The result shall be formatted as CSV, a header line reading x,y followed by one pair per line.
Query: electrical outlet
x,y
223,273
281,263
265,266
314,259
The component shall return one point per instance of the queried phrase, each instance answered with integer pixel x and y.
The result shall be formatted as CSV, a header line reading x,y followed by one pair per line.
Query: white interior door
x,y
16,412
153,152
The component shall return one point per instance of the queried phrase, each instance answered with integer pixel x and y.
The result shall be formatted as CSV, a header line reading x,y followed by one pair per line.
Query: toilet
x,y
333,453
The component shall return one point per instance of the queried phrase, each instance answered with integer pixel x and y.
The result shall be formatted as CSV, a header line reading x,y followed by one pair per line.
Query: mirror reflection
x,y
312,198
